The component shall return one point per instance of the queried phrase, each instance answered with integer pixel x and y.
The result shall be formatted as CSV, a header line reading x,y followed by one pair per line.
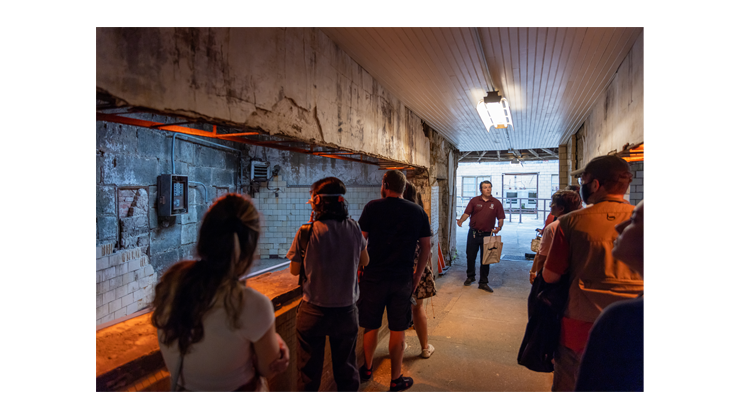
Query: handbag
x,y
536,242
175,378
492,249
304,240
546,306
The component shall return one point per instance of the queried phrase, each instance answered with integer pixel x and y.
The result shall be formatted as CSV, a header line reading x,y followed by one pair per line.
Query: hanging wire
x,y
487,75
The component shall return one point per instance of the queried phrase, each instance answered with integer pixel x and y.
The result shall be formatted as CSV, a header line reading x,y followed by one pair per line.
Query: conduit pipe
x,y
206,143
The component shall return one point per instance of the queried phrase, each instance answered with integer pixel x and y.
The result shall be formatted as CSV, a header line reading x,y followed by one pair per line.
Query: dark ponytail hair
x,y
227,241
335,207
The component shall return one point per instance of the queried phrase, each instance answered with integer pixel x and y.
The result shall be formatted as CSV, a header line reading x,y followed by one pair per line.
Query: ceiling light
x,y
494,111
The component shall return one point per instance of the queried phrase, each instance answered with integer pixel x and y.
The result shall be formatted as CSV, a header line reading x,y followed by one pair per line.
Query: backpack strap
x,y
304,240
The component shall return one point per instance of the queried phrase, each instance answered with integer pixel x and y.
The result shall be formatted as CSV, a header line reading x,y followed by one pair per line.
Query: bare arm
x,y
364,258
272,352
462,219
550,276
538,264
294,268
424,255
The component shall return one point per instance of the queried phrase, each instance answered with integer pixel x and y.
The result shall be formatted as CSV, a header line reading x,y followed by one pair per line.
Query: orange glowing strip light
x,y
100,116
633,155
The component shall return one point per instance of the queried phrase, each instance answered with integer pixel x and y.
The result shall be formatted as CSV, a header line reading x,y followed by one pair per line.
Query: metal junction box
x,y
171,195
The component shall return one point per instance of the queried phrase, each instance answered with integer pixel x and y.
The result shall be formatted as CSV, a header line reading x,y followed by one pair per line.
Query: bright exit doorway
x,y
520,192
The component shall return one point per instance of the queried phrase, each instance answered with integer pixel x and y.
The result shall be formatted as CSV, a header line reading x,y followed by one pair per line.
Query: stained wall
x,y
292,82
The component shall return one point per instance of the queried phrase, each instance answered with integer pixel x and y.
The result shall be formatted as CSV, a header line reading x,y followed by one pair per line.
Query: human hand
x,y
532,276
458,222
495,230
279,365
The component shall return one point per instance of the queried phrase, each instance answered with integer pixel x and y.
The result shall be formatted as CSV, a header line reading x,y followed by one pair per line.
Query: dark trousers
x,y
314,323
474,245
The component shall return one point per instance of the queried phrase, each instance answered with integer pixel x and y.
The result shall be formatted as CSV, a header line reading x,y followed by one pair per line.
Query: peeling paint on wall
x,y
617,117
292,82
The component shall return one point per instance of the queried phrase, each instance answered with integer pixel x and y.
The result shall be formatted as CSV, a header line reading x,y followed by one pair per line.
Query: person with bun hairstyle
x,y
334,251
211,328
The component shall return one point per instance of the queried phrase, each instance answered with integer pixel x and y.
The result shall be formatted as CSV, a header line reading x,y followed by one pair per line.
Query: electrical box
x,y
259,171
171,195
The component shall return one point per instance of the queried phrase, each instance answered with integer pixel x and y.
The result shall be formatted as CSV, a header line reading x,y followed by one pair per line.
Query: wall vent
x,y
259,171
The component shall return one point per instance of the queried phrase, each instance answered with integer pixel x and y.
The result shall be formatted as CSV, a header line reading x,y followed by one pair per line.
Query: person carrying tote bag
x,y
493,249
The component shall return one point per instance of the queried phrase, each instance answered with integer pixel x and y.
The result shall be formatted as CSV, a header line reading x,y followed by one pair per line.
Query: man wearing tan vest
x,y
582,247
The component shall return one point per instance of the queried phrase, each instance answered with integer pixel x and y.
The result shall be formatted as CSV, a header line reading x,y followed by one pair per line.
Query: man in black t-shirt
x,y
392,227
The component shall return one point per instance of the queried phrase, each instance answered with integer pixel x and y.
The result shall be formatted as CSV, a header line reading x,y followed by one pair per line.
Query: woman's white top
x,y
222,360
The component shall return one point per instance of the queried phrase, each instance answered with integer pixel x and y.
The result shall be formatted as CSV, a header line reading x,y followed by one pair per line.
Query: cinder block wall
x,y
129,159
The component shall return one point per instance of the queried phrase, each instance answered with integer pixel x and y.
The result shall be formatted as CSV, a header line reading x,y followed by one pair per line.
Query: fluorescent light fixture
x,y
494,111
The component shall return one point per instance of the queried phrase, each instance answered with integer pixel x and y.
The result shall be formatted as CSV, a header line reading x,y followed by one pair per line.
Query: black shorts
x,y
392,294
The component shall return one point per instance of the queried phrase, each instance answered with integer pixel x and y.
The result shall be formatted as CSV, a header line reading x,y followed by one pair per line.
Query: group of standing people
x,y
598,249
354,271
350,273
386,247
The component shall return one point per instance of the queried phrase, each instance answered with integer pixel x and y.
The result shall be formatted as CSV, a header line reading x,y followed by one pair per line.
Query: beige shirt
x,y
582,246
222,360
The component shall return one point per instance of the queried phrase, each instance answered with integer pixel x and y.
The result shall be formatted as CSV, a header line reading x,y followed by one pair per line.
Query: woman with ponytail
x,y
334,250
211,327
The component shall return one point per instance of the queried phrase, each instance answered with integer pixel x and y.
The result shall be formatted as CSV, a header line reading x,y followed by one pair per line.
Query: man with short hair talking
x,y
392,227
483,210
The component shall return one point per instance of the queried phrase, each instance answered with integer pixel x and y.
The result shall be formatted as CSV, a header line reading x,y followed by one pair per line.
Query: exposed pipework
x,y
250,138
207,143
205,191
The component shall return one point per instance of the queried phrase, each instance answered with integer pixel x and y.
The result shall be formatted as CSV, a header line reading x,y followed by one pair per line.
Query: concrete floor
x,y
476,334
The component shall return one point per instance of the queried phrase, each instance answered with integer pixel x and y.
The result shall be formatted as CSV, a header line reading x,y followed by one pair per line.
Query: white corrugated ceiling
x,y
551,76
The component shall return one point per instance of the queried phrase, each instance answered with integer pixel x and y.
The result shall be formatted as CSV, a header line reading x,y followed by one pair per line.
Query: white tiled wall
x,y
635,193
283,215
124,282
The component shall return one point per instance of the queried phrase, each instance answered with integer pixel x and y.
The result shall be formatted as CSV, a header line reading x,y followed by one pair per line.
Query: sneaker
x,y
365,374
486,287
469,280
401,384
426,353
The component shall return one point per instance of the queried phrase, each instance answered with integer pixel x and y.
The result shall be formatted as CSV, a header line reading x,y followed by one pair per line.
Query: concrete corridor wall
x,y
133,247
615,120
292,82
